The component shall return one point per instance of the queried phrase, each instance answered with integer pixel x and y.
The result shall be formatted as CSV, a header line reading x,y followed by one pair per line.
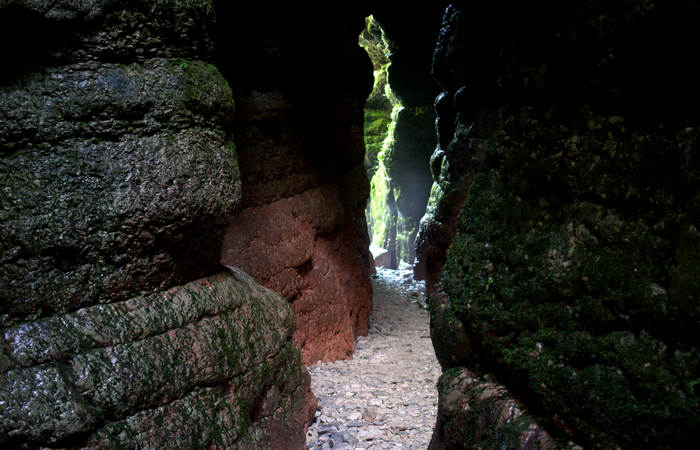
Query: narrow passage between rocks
x,y
385,397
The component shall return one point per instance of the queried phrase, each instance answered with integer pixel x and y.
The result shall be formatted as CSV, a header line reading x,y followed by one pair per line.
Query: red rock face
x,y
307,248
298,131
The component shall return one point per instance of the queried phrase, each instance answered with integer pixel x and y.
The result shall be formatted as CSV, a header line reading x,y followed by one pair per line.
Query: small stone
x,y
347,437
354,416
327,429
355,424
376,402
336,438
369,414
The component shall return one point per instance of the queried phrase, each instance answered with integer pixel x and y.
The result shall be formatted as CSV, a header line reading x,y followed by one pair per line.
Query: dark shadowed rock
x,y
118,177
115,182
571,193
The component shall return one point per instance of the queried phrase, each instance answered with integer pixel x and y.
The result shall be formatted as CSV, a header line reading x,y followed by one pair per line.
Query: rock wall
x,y
378,106
120,328
567,173
301,229
477,411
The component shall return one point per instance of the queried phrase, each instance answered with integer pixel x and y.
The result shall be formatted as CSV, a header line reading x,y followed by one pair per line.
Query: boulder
x,y
474,411
205,364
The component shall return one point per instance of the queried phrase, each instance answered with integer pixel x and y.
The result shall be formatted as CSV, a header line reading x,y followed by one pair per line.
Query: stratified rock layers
x,y
207,364
118,179
301,229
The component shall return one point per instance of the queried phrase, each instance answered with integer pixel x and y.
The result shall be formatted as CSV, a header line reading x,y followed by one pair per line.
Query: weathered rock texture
x,y
206,364
118,177
301,229
573,274
378,106
474,412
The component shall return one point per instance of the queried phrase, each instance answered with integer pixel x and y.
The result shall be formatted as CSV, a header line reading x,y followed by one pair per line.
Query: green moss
x,y
376,127
571,281
379,216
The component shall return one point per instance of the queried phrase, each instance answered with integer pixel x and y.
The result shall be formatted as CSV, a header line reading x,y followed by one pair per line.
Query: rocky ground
x,y
385,397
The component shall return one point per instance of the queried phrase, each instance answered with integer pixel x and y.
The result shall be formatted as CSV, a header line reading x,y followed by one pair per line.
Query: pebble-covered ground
x,y
385,397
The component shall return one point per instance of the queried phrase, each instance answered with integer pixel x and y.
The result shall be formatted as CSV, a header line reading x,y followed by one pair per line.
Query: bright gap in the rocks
x,y
381,110
399,138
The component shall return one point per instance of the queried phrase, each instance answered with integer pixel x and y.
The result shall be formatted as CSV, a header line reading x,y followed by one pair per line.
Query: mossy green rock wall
x,y
584,297
117,180
378,106
117,175
573,274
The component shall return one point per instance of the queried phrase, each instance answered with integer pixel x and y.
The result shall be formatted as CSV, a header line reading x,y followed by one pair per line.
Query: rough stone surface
x,y
291,247
385,397
482,412
118,174
402,185
301,229
116,177
115,180
573,199
205,364
377,107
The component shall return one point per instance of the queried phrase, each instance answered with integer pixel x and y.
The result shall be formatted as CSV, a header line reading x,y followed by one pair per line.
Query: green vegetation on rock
x,y
575,271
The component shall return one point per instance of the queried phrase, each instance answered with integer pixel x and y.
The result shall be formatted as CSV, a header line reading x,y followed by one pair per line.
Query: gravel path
x,y
385,397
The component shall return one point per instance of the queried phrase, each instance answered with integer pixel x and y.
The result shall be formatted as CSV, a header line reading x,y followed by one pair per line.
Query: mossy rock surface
x,y
575,272
197,361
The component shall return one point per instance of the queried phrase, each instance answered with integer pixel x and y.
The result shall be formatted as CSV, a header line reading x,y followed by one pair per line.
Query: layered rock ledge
x,y
206,364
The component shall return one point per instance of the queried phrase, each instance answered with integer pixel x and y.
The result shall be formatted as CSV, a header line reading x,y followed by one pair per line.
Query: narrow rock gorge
x,y
189,190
